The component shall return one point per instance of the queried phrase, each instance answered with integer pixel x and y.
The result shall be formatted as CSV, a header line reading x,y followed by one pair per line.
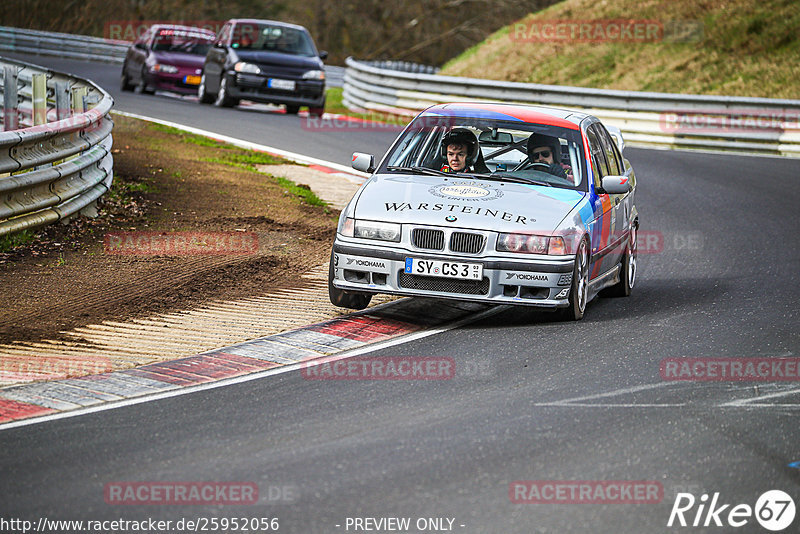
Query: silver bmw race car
x,y
495,203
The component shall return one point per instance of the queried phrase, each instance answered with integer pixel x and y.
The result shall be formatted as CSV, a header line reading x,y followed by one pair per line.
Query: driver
x,y
460,148
547,150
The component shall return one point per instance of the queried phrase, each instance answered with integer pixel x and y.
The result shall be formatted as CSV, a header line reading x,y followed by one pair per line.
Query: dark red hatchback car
x,y
167,57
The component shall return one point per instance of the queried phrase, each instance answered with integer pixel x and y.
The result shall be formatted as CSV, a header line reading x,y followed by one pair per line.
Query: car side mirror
x,y
363,162
616,185
323,54
616,135
140,46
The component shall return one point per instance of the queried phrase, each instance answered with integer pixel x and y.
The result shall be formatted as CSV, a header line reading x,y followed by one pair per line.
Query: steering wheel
x,y
544,167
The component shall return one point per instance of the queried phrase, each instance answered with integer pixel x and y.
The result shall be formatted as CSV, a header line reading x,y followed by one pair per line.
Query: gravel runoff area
x,y
197,245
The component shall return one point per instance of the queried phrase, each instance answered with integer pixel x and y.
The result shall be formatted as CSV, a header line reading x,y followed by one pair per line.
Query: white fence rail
x,y
663,120
55,152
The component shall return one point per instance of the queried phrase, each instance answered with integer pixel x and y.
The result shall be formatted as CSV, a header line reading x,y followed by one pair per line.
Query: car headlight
x,y
531,244
314,75
247,68
382,231
169,69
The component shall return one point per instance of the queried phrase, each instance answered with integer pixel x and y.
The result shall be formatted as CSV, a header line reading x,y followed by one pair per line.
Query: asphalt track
x,y
541,400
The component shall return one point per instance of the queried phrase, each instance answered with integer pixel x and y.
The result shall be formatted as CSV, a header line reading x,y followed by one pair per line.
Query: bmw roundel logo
x,y
451,218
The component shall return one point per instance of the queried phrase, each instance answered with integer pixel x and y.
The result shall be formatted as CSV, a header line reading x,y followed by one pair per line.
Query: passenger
x,y
546,149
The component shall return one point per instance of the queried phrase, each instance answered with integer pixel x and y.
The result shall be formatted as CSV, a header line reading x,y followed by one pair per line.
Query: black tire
x,y
202,95
142,87
579,290
223,100
317,111
124,81
345,299
627,277
292,110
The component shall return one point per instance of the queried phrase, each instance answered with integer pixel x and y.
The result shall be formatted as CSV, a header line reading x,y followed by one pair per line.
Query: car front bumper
x,y
253,87
541,282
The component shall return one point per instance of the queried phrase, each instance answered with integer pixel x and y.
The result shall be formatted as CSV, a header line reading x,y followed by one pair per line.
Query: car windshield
x,y
272,38
503,154
186,41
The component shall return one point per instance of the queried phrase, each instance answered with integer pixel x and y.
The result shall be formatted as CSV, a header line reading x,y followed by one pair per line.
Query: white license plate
x,y
285,85
445,269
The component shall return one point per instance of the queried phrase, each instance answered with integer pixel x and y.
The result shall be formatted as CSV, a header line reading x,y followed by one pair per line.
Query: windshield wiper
x,y
517,180
417,169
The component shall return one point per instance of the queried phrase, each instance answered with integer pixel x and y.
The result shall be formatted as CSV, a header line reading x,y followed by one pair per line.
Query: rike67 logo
x,y
774,510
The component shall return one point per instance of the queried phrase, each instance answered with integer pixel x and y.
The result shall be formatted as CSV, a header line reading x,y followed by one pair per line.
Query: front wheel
x,y
345,299
202,95
223,99
142,87
627,276
579,291
124,81
317,111
292,110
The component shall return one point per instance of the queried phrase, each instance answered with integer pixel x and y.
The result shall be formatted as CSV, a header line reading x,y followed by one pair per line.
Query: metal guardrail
x,y
62,44
55,157
661,120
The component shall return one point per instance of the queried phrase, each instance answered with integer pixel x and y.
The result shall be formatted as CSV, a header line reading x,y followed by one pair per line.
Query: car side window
x,y
598,157
615,165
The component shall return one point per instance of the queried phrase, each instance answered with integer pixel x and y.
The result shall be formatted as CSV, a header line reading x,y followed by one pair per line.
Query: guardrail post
x,y
62,100
79,100
39,93
10,102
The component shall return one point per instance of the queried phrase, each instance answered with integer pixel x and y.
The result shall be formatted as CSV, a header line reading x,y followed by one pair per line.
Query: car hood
x,y
464,203
264,58
179,59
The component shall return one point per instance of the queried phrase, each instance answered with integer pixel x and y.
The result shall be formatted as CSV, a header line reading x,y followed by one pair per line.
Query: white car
x,y
511,227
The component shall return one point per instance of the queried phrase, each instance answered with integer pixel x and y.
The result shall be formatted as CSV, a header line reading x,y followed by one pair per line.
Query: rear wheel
x,y
202,95
627,275
345,299
223,99
579,291
292,110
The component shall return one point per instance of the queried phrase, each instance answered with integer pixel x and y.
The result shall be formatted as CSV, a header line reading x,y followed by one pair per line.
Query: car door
x,y
603,206
621,203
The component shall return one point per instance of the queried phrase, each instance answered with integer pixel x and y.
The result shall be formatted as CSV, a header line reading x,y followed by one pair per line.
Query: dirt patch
x,y
67,276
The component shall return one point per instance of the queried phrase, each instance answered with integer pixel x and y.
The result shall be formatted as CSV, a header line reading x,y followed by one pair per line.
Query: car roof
x,y
516,112
159,27
266,21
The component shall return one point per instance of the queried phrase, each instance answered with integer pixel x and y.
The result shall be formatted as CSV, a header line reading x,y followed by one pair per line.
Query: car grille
x,y
468,243
427,238
446,285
